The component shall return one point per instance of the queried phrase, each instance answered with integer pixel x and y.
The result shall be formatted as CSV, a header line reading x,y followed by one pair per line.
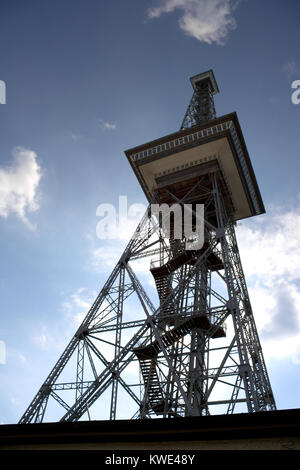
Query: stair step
x,y
190,257
170,337
152,384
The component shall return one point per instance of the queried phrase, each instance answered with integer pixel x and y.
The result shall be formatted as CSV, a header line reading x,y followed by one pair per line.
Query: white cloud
x,y
269,248
208,21
107,126
105,257
18,185
78,304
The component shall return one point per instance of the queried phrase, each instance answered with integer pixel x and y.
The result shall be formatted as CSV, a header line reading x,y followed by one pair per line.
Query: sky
x,y
86,80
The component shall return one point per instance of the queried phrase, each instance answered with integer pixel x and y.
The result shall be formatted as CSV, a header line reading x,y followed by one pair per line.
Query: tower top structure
x,y
201,78
204,144
202,107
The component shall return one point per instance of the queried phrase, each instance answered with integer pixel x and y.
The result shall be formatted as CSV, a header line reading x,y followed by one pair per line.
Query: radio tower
x,y
190,347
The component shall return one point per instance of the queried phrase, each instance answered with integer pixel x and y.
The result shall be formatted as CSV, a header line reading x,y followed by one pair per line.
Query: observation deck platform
x,y
179,159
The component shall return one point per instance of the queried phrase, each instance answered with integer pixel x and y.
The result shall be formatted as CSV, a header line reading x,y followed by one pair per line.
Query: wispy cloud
x,y
75,137
40,340
208,21
104,257
291,69
271,259
77,305
18,185
107,126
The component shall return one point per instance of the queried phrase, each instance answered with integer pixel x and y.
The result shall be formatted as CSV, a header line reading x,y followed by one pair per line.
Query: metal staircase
x,y
147,355
200,321
153,388
162,274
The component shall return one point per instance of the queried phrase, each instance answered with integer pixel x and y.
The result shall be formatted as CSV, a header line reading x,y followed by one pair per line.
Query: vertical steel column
x,y
80,367
114,392
197,366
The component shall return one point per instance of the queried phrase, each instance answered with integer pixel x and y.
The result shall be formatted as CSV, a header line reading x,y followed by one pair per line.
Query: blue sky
x,y
86,80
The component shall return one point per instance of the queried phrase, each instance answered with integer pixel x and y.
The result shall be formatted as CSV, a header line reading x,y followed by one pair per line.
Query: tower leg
x,y
256,386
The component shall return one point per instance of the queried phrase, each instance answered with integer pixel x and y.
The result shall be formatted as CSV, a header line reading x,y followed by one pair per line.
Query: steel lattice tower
x,y
192,349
